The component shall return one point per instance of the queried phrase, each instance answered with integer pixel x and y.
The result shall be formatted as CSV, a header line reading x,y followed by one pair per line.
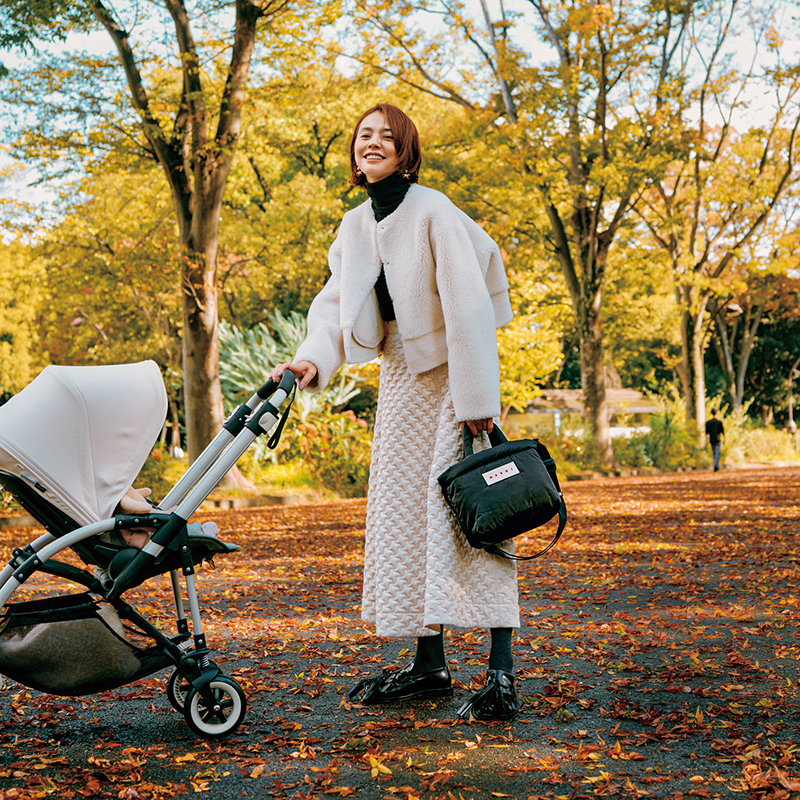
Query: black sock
x,y
430,653
500,654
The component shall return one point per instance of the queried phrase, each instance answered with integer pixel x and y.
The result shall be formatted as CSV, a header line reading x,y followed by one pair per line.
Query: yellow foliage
x,y
21,279
530,349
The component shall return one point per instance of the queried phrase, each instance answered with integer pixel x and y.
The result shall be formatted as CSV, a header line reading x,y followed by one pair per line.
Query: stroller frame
x,y
214,705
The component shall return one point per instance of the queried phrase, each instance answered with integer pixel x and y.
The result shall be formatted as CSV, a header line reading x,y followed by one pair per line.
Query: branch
x,y
544,14
508,100
783,185
151,126
561,246
449,94
667,56
654,231
230,117
193,107
168,156
702,126
773,132
572,107
601,107
261,182
710,66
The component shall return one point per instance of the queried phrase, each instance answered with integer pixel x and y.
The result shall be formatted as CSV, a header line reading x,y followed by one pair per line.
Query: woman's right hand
x,y
303,371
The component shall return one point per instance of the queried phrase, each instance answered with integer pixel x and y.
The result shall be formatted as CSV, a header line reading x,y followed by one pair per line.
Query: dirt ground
x,y
658,656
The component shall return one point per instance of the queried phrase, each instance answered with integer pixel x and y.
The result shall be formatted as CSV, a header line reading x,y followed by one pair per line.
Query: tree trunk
x,y
594,383
699,375
685,370
735,365
175,425
691,368
586,295
201,388
196,166
751,326
692,372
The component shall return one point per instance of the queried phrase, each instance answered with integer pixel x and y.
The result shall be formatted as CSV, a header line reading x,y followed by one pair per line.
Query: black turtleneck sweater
x,y
386,196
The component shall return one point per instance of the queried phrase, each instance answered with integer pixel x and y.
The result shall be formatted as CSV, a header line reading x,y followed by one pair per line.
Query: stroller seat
x,y
101,551
69,469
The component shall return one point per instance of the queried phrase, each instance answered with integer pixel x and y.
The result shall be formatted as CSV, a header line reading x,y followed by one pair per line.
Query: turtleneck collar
x,y
387,194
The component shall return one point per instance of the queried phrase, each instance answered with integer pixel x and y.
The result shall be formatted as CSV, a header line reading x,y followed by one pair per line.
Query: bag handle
x,y
497,437
562,521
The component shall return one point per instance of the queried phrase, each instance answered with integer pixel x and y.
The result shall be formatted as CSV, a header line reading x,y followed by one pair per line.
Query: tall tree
x,y
763,292
193,136
775,351
578,132
713,205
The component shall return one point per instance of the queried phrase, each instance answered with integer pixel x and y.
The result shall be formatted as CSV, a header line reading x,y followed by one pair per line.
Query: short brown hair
x,y
406,143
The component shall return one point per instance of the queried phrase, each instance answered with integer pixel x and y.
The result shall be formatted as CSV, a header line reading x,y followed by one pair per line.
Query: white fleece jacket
x,y
448,286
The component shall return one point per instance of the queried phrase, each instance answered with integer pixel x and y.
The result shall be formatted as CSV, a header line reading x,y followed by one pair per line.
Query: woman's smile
x,y
375,152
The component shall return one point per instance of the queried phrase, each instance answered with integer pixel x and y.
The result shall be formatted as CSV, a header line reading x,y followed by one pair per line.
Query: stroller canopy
x,y
83,434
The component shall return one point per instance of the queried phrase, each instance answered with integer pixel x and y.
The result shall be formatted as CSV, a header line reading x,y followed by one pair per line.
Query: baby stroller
x,y
71,444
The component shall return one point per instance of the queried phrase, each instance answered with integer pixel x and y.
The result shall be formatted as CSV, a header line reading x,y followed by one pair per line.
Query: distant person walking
x,y
715,430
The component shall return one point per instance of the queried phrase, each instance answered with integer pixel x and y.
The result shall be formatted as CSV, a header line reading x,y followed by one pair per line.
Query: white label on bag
x,y
500,473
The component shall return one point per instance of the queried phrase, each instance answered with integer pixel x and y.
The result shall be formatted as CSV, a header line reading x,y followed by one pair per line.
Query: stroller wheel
x,y
177,690
226,715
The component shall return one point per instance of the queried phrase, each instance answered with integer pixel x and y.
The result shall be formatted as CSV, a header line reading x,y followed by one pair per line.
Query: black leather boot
x,y
497,700
403,684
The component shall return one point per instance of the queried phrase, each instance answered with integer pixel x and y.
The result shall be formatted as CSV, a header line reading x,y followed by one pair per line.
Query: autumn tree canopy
x,y
614,152
189,120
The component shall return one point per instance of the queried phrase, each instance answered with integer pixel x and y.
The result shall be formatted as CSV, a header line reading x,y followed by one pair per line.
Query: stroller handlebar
x,y
266,389
270,386
287,381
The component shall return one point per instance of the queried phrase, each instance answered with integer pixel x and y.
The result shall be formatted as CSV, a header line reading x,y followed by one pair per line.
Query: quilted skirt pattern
x,y
419,569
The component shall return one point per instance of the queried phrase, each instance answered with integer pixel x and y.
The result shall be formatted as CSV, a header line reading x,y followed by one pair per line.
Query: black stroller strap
x,y
276,435
50,609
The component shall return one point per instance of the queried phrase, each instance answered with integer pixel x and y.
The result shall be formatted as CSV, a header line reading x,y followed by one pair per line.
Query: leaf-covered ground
x,y
658,656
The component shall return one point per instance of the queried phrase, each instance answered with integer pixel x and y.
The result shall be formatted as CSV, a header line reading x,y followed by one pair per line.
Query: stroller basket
x,y
70,645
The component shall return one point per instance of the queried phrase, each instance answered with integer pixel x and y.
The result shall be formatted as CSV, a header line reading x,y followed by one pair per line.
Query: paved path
x,y
658,655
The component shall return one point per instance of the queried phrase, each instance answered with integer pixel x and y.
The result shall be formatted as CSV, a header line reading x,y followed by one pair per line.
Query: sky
x,y
19,183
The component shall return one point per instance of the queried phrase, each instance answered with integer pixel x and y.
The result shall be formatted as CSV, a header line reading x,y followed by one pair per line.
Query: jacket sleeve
x,y
323,345
469,318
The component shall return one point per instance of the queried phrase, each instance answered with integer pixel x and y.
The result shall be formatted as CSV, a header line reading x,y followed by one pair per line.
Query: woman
x,y
441,289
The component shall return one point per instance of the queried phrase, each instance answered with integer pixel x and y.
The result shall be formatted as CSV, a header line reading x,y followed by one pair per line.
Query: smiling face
x,y
374,148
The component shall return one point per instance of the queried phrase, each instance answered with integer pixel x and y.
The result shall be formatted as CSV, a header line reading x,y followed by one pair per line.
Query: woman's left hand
x,y
477,426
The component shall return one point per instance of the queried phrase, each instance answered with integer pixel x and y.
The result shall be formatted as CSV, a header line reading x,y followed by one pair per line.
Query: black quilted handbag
x,y
503,491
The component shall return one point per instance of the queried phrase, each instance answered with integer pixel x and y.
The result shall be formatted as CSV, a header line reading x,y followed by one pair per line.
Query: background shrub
x,y
161,472
336,450
248,356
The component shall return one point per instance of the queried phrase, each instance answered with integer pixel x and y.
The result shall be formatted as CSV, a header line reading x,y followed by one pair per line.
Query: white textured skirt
x,y
419,569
